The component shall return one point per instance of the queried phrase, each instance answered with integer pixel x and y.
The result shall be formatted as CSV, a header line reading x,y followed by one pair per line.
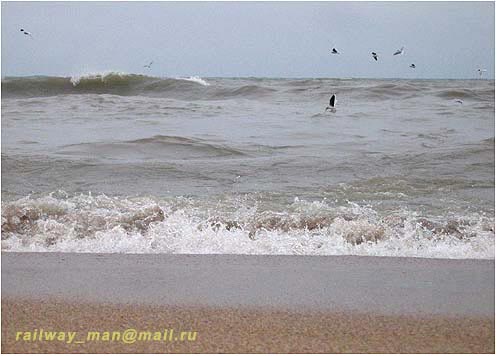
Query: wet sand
x,y
251,303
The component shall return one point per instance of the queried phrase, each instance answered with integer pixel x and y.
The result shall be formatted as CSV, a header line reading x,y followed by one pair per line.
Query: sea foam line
x,y
97,224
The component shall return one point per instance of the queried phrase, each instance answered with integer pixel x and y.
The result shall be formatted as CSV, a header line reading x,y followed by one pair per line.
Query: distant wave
x,y
98,83
406,89
197,88
246,91
480,93
124,84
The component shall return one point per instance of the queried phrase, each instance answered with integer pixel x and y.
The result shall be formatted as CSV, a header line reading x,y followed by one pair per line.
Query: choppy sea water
x,y
135,164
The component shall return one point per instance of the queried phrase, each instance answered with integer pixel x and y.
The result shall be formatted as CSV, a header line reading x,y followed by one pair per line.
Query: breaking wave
x,y
195,79
124,84
85,223
100,83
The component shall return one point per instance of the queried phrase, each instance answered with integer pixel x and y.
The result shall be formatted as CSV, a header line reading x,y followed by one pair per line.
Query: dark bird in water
x,y
333,100
412,65
375,56
26,33
399,51
334,51
148,65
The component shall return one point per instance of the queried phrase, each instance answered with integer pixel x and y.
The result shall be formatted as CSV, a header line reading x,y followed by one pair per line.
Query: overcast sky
x,y
270,39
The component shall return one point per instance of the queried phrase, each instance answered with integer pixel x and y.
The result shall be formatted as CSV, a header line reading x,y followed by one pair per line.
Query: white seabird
x,y
148,65
26,33
412,65
481,71
334,51
399,51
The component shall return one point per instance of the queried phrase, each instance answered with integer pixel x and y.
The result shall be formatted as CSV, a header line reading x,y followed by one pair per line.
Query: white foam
x,y
76,79
103,224
195,79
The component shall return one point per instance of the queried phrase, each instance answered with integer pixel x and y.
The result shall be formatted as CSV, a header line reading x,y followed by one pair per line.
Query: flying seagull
x,y
412,65
331,107
375,56
481,71
26,33
399,51
334,51
148,65
459,101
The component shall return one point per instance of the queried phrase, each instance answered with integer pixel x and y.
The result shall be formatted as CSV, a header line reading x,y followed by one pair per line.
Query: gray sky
x,y
271,39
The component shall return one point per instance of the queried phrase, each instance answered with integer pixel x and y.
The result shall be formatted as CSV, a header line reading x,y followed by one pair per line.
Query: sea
x,y
128,163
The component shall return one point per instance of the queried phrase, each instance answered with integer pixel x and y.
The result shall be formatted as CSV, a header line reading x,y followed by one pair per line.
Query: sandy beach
x,y
243,330
248,303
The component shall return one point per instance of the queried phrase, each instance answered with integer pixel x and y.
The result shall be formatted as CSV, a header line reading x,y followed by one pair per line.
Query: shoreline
x,y
5,252
383,285
246,304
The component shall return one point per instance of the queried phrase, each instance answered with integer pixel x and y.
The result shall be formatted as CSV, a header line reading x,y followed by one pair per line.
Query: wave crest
x,y
99,83
195,79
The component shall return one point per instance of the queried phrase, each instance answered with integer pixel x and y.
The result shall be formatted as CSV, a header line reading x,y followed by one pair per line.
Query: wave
x,y
124,84
407,89
85,223
153,148
385,91
460,93
99,83
196,88
106,79
456,94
